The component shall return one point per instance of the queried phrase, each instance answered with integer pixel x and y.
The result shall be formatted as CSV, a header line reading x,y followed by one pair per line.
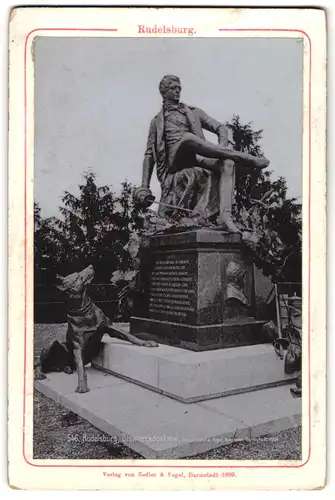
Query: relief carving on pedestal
x,y
236,274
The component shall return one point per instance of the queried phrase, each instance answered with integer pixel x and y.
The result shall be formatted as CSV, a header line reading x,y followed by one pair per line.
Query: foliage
x,y
48,246
94,228
262,205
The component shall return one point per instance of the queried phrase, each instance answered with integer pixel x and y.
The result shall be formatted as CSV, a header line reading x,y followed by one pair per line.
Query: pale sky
x,y
95,97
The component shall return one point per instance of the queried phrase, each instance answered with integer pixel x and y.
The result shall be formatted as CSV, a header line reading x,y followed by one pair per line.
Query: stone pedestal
x,y
199,292
193,376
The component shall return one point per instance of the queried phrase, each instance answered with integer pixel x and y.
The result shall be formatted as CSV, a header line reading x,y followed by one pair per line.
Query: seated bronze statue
x,y
194,173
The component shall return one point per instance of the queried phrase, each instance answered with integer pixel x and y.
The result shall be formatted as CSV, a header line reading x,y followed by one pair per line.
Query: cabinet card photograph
x,y
167,248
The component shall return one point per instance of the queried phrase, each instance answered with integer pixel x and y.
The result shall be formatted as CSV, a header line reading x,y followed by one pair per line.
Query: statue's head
x,y
170,88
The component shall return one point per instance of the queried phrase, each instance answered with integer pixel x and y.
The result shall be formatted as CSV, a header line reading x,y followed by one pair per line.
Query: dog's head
x,y
74,284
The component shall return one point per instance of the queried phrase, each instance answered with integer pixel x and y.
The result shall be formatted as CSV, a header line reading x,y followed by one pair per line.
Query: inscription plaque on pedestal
x,y
173,288
199,292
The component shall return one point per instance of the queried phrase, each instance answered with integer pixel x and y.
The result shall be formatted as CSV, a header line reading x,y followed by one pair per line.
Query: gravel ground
x,y
61,434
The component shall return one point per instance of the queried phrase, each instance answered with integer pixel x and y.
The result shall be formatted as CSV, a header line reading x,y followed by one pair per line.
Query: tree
x,y
49,246
111,254
93,228
278,252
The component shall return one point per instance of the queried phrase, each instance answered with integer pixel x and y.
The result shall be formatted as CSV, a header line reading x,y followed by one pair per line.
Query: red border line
x,y
25,265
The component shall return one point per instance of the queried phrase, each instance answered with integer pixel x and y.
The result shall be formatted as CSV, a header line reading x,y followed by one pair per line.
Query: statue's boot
x,y
227,184
258,162
246,158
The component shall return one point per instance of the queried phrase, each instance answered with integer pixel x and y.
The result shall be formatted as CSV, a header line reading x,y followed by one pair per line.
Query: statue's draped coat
x,y
194,188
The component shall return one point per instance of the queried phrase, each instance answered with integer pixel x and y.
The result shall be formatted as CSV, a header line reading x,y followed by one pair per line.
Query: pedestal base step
x,y
158,427
190,376
231,333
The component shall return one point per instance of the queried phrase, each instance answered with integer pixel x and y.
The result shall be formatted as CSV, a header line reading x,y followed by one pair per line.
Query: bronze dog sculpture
x,y
87,324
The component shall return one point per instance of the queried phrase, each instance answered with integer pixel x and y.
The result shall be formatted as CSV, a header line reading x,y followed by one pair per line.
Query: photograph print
x,y
168,247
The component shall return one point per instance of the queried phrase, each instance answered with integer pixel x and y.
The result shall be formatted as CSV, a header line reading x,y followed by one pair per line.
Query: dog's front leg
x,y
82,376
136,341
130,338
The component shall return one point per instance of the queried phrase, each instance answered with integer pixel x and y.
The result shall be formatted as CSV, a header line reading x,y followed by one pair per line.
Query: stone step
x,y
190,376
159,427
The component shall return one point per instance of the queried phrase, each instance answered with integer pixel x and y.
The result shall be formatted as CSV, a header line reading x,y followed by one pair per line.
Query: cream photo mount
x,y
27,25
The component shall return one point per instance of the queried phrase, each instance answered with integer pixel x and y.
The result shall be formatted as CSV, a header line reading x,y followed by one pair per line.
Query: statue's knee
x,y
188,138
